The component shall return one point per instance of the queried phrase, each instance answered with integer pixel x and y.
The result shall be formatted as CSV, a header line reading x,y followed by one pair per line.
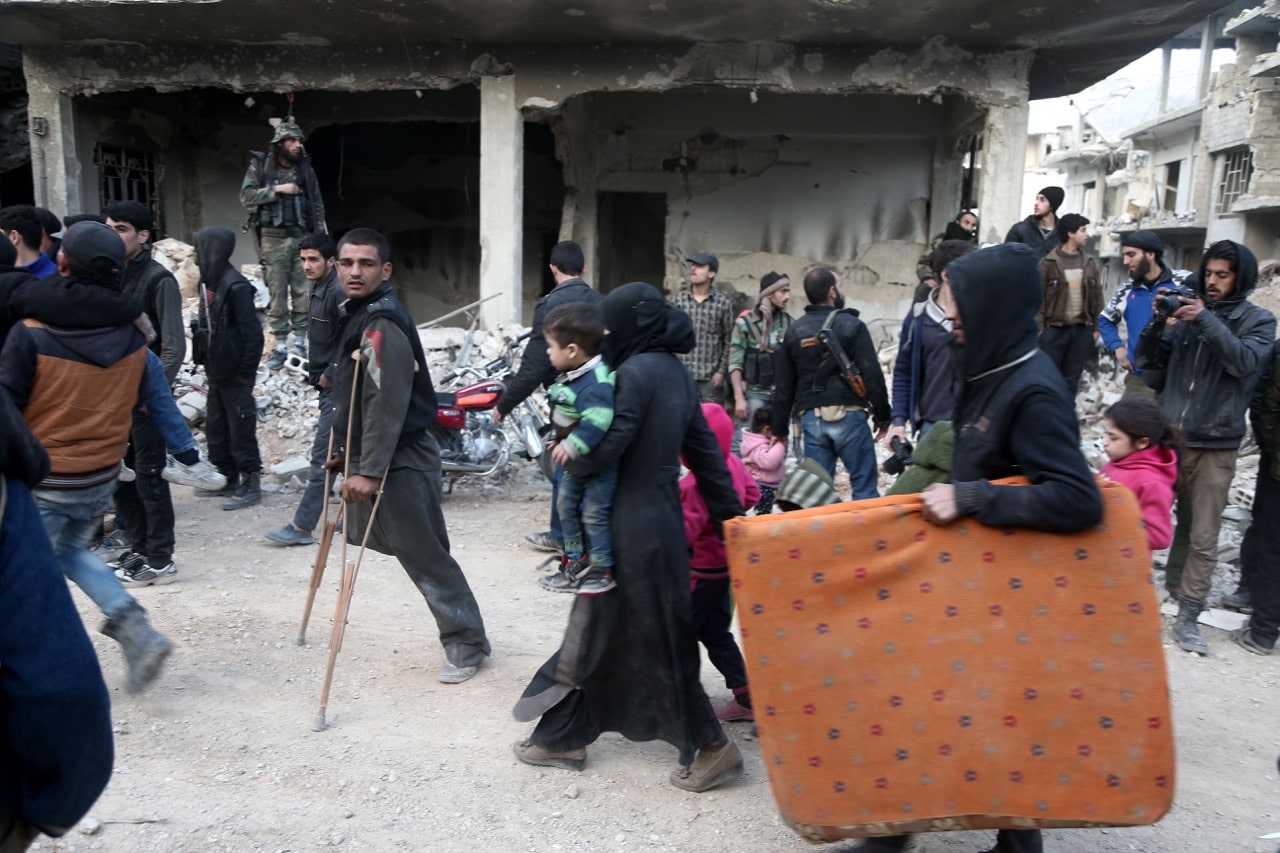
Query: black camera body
x,y
901,458
1169,302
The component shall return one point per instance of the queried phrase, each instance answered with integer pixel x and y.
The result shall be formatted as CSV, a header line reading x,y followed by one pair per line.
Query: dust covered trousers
x,y
410,526
387,436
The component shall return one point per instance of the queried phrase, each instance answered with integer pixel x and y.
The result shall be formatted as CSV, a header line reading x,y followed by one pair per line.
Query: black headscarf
x,y
639,320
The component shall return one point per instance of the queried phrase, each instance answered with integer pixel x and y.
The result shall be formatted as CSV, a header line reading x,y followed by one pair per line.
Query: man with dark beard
x,y
810,384
1012,416
282,196
1142,254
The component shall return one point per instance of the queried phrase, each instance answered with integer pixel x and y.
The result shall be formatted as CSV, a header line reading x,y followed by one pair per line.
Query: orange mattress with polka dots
x,y
913,678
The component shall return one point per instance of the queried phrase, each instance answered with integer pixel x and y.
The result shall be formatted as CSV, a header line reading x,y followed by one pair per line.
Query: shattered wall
x,y
782,182
876,169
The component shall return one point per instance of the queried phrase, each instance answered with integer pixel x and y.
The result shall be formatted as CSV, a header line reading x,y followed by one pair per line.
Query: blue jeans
x,y
311,507
157,396
587,502
556,529
850,440
71,519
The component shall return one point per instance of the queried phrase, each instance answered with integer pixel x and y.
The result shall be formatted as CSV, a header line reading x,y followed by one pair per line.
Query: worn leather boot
x,y
248,492
1186,631
145,648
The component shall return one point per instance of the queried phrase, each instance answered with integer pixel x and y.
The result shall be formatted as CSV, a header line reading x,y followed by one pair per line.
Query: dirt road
x,y
220,754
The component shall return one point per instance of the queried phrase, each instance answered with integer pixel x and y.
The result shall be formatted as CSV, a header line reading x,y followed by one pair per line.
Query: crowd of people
x,y
990,357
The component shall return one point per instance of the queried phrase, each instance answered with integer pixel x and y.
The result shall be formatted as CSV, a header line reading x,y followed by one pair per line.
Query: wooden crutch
x,y
326,541
349,570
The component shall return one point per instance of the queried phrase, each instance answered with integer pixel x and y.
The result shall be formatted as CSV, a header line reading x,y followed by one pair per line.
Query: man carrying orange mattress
x,y
1012,417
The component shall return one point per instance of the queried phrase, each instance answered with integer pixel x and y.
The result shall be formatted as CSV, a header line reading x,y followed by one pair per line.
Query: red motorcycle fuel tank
x,y
482,395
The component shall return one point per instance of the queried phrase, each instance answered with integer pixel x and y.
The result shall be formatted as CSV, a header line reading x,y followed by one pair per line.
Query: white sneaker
x,y
127,474
201,475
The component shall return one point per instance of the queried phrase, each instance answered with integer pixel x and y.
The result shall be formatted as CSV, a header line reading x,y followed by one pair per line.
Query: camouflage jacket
x,y
267,208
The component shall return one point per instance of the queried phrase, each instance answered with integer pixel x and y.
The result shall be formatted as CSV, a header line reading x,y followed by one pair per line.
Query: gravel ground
x,y
219,755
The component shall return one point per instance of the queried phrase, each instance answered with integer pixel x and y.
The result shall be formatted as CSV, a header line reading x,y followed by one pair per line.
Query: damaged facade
x,y
1198,173
837,132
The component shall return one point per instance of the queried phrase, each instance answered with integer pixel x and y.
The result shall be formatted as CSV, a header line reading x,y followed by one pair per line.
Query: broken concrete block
x,y
1225,620
291,466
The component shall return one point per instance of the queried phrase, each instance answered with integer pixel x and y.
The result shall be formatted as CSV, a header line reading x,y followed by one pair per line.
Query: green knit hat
x,y
807,486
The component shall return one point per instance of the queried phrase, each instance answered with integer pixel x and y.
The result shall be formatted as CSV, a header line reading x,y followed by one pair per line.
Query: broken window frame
x,y
1237,172
130,174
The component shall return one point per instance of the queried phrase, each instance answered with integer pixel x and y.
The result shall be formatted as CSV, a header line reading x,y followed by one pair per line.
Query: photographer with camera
x,y
1209,338
1143,256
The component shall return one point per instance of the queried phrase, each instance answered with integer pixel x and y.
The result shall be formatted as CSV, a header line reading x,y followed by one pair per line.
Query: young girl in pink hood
x,y
766,458
1142,448
709,569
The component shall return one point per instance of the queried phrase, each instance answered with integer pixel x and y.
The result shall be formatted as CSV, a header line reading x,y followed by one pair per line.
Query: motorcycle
x,y
471,440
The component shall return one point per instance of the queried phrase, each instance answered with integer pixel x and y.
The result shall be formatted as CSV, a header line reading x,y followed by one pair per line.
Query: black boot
x,y
1186,631
248,492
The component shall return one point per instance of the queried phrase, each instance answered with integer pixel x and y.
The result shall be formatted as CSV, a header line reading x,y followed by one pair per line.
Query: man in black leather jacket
x,y
1204,359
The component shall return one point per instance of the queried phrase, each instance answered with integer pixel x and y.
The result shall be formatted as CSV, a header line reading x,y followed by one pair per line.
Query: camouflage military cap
x,y
286,130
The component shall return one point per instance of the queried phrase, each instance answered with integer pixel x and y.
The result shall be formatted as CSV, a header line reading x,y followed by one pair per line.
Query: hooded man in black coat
x,y
629,660
1013,416
232,343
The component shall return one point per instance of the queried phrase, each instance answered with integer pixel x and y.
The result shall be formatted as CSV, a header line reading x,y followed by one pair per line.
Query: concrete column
x,y
1206,56
55,165
1166,66
501,200
1004,157
944,184
578,220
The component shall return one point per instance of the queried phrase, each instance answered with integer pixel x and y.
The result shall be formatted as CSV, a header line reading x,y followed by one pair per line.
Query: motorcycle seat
x,y
443,398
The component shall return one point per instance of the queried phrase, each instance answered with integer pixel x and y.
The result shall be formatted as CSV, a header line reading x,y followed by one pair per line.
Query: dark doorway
x,y
418,182
632,230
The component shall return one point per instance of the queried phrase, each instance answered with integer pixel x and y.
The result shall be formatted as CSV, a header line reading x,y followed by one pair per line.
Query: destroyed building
x,y
1195,172
779,136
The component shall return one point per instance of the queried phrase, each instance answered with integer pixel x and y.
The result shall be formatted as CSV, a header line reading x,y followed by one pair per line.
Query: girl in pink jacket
x,y
765,457
712,604
1142,448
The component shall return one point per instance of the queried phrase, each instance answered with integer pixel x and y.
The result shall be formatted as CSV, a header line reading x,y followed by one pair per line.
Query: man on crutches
x,y
389,449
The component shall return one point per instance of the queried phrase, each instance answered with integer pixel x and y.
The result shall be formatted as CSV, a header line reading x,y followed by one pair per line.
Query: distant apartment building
x,y
1195,173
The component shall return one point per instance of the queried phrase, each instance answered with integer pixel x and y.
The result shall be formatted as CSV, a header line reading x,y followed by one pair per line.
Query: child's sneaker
x,y
598,580
568,577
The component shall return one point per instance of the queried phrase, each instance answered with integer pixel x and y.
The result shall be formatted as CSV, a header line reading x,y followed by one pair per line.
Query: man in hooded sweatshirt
x,y
230,336
1204,359
1040,229
77,389
1012,416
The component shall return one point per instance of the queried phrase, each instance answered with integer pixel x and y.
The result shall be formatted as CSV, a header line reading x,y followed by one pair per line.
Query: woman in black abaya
x,y
629,659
